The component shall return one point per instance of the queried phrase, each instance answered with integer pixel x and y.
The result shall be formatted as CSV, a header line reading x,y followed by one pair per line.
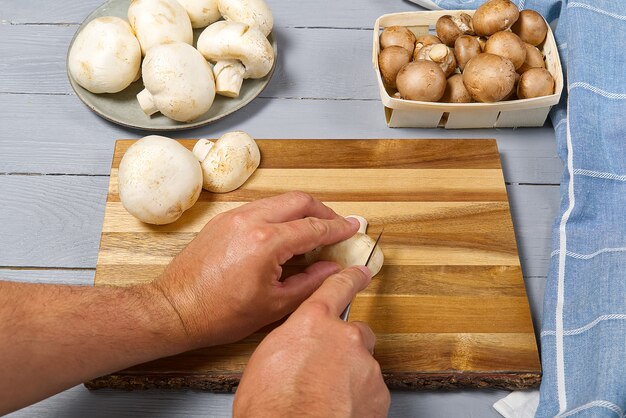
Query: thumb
x,y
299,287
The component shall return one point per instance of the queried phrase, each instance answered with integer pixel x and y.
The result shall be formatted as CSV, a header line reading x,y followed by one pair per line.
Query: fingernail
x,y
353,221
366,271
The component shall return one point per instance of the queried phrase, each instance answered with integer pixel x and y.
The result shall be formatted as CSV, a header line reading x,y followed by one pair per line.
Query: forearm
x,y
54,337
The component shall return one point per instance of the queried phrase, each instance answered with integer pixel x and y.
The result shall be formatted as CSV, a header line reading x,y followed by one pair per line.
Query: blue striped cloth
x,y
583,337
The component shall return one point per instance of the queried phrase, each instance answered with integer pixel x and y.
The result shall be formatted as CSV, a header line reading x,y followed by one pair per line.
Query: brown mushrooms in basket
x,y
535,82
494,16
450,27
465,48
421,80
390,60
530,27
423,41
507,45
455,91
441,54
534,59
397,36
489,78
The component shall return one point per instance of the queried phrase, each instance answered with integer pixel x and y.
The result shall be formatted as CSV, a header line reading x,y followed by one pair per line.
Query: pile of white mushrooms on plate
x,y
489,57
180,80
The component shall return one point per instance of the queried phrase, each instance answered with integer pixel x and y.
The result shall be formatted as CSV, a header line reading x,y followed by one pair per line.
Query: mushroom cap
x,y
455,91
494,16
535,82
489,77
228,162
390,61
398,36
450,27
225,40
158,179
159,21
441,54
105,56
534,59
530,27
421,80
201,12
179,79
352,252
254,13
466,47
424,40
507,45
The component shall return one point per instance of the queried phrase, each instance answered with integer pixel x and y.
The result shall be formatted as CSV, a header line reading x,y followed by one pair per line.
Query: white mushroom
x,y
159,21
228,162
201,12
239,51
178,80
352,252
158,179
255,13
105,56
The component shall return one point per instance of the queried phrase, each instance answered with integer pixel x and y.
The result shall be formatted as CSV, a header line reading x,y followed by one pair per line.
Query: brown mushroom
x,y
513,94
507,45
397,36
489,77
390,61
455,91
421,80
450,27
535,82
482,41
465,48
423,41
494,16
530,27
441,54
534,59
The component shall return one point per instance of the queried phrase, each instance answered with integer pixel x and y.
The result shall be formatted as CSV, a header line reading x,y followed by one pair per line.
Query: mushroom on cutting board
x,y
178,82
450,27
530,27
352,252
254,13
159,21
421,80
507,45
239,51
390,60
466,47
535,82
494,16
158,179
398,36
105,56
440,54
489,78
228,162
201,12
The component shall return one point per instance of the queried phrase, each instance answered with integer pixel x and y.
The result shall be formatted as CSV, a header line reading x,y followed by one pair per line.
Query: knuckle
x,y
319,227
353,334
302,198
316,309
237,219
343,279
261,235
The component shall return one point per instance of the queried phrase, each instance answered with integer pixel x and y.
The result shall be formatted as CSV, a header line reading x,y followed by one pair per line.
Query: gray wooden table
x,y
55,156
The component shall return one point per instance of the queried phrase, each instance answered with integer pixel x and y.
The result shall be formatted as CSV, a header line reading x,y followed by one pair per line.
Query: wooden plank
x,y
69,138
448,226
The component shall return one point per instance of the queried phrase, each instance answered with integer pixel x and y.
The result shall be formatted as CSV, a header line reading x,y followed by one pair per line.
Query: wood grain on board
x,y
449,307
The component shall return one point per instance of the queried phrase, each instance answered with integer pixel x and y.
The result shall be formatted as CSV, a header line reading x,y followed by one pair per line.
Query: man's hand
x,y
225,284
315,365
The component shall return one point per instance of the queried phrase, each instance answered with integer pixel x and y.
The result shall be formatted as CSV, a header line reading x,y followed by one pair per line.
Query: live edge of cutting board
x,y
449,307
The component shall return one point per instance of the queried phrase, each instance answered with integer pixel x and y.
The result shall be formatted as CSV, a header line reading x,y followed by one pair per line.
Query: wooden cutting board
x,y
449,307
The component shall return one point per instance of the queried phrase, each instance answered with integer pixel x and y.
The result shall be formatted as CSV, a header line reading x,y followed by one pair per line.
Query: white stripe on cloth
x,y
595,404
591,255
600,174
577,5
587,327
596,90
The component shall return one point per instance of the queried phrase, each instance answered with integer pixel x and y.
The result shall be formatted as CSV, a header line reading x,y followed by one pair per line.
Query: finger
x,y
291,206
369,338
339,290
299,287
303,235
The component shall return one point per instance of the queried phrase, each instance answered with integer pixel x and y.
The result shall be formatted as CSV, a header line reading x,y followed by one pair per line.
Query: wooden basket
x,y
401,113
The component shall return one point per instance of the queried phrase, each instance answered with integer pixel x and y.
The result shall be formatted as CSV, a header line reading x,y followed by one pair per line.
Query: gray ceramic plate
x,y
122,108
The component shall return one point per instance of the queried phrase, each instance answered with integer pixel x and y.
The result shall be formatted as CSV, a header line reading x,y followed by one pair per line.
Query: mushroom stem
x,y
362,223
202,148
146,102
229,76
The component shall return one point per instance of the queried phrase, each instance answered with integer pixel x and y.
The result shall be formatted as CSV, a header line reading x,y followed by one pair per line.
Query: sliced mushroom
x,y
201,12
489,77
450,27
390,61
455,91
423,41
530,27
535,82
421,80
105,56
534,59
254,13
398,36
494,16
507,45
441,54
159,21
239,51
465,48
